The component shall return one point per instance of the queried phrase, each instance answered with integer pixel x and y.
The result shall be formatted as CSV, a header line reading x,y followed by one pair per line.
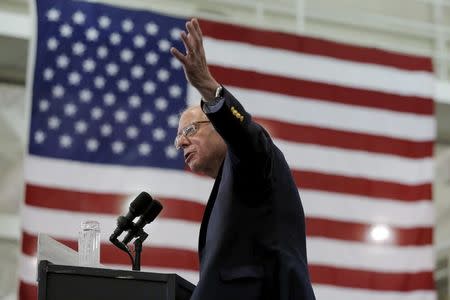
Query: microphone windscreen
x,y
141,204
152,212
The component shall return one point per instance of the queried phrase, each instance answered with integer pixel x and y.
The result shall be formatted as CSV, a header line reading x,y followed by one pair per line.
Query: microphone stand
x,y
124,248
136,260
138,250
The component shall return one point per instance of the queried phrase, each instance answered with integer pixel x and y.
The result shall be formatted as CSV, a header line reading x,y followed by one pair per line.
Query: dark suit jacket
x,y
252,237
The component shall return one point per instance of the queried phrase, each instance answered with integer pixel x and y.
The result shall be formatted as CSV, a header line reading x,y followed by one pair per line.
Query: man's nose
x,y
183,142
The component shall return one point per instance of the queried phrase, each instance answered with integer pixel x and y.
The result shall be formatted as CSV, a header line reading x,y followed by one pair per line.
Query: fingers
x,y
178,55
192,42
194,32
197,28
187,44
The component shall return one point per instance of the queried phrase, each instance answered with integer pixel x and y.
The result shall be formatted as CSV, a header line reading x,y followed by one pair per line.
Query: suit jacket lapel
x,y
207,213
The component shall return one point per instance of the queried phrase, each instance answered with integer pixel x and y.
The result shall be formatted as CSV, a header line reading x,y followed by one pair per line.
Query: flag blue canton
x,y
106,88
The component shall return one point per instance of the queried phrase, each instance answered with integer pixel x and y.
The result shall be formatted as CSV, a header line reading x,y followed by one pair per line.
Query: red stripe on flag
x,y
361,186
405,282
110,254
74,200
322,91
347,140
315,46
106,203
316,227
27,291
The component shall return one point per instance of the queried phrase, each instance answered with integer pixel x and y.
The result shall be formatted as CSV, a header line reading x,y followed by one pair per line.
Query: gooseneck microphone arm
x,y
145,207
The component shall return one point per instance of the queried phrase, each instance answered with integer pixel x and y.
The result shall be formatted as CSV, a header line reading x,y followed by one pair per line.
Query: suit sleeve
x,y
248,143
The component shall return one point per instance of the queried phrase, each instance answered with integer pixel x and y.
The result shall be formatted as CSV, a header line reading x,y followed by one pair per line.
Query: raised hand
x,y
194,61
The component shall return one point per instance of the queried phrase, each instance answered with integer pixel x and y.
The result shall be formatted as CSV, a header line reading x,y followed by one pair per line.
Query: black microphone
x,y
139,206
148,217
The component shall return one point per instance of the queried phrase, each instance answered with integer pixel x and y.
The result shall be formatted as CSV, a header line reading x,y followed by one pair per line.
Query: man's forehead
x,y
192,114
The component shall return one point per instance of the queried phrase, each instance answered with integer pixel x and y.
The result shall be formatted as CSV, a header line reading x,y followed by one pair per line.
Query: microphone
x,y
139,206
148,217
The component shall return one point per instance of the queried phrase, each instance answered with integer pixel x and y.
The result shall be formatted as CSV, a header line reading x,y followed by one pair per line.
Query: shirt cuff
x,y
213,105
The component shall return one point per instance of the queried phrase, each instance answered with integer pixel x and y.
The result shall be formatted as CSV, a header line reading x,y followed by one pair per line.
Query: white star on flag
x,y
159,134
106,129
39,136
99,82
127,25
109,99
152,28
81,127
118,147
79,18
53,122
66,30
139,41
147,118
44,104
149,87
115,38
92,34
52,44
85,95
48,74
144,149
102,52
151,58
53,15
58,91
104,22
78,48
161,104
164,45
92,145
65,141
96,113
134,101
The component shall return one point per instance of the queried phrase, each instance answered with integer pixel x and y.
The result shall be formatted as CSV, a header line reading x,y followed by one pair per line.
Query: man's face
x,y
204,150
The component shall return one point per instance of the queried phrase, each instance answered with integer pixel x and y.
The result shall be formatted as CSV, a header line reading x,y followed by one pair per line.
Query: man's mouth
x,y
188,156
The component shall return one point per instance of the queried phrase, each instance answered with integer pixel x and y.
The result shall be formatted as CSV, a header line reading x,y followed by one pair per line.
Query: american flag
x,y
356,126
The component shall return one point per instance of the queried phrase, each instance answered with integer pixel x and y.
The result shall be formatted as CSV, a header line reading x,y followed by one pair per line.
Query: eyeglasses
x,y
188,131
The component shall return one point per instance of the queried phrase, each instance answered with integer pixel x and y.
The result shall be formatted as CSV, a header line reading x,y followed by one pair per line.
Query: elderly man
x,y
252,241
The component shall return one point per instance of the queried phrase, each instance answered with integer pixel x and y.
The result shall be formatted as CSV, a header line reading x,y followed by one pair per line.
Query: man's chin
x,y
195,168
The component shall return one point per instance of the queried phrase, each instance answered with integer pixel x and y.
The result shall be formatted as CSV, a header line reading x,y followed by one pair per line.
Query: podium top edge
x,y
46,266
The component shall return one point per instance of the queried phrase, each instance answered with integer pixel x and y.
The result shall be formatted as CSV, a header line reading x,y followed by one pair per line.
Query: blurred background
x,y
417,27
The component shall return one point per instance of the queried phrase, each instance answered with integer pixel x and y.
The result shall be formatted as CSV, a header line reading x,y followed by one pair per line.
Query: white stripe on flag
x,y
360,209
28,269
84,177
369,257
320,159
354,163
339,293
318,68
331,115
